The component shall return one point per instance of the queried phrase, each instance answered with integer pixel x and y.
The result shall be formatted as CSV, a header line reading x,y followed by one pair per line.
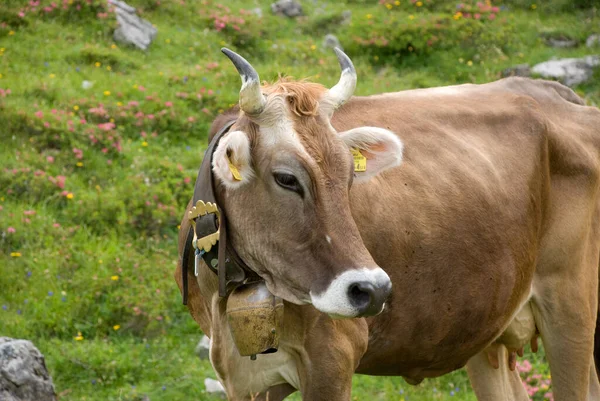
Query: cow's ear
x,y
232,161
374,150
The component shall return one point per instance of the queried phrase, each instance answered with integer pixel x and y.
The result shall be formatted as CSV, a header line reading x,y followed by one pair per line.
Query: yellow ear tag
x,y
360,162
234,171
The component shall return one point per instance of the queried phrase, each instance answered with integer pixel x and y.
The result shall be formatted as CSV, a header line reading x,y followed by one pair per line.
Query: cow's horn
x,y
343,90
252,101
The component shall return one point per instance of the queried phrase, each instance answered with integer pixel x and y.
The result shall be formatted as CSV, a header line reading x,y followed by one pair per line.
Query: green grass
x,y
96,254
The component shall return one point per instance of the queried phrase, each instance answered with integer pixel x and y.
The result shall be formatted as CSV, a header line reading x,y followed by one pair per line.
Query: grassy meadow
x,y
100,146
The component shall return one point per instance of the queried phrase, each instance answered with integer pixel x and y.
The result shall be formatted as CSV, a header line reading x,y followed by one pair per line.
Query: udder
x,y
519,332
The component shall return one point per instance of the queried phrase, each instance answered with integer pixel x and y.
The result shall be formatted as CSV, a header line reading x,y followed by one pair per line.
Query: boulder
x,y
203,348
570,71
561,43
331,41
288,8
593,41
132,29
23,373
214,387
257,11
346,17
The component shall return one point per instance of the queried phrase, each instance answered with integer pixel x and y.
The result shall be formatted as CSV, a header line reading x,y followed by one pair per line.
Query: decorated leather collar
x,y
208,232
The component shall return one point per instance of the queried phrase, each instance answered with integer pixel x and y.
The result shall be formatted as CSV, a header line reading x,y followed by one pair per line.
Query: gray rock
x,y
132,29
23,373
288,8
346,17
257,11
570,71
520,70
203,348
561,43
332,41
214,387
593,40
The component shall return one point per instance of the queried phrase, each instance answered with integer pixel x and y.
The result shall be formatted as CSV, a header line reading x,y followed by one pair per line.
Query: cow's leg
x,y
565,285
594,387
333,349
495,384
565,302
567,331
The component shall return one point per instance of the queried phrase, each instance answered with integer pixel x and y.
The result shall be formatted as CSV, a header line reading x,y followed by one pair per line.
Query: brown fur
x,y
497,196
302,97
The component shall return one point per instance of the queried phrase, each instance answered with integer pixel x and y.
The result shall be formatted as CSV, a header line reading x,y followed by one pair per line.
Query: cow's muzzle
x,y
355,293
368,298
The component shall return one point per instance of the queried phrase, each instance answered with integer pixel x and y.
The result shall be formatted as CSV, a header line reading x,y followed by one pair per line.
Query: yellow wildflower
x,y
52,75
119,104
397,3
116,327
15,254
313,47
114,278
144,143
79,336
469,63
388,6
70,195
457,16
369,16
79,164
98,64
411,17
106,93
108,68
11,33
113,46
419,3
75,107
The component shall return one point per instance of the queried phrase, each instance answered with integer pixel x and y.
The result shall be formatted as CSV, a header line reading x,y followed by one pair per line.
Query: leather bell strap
x,y
221,259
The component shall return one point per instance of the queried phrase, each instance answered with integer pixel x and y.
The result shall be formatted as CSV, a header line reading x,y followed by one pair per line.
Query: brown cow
x,y
479,203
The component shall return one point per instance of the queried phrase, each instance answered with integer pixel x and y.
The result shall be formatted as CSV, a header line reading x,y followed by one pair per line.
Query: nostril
x,y
360,294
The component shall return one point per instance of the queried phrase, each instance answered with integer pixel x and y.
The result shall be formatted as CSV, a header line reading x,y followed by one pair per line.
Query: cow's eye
x,y
288,181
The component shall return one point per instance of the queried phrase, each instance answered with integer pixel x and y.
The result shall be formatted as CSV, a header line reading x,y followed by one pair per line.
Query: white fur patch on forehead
x,y
232,161
276,126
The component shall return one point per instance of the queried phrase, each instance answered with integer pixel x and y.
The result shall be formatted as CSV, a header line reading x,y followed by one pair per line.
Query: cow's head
x,y
284,176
